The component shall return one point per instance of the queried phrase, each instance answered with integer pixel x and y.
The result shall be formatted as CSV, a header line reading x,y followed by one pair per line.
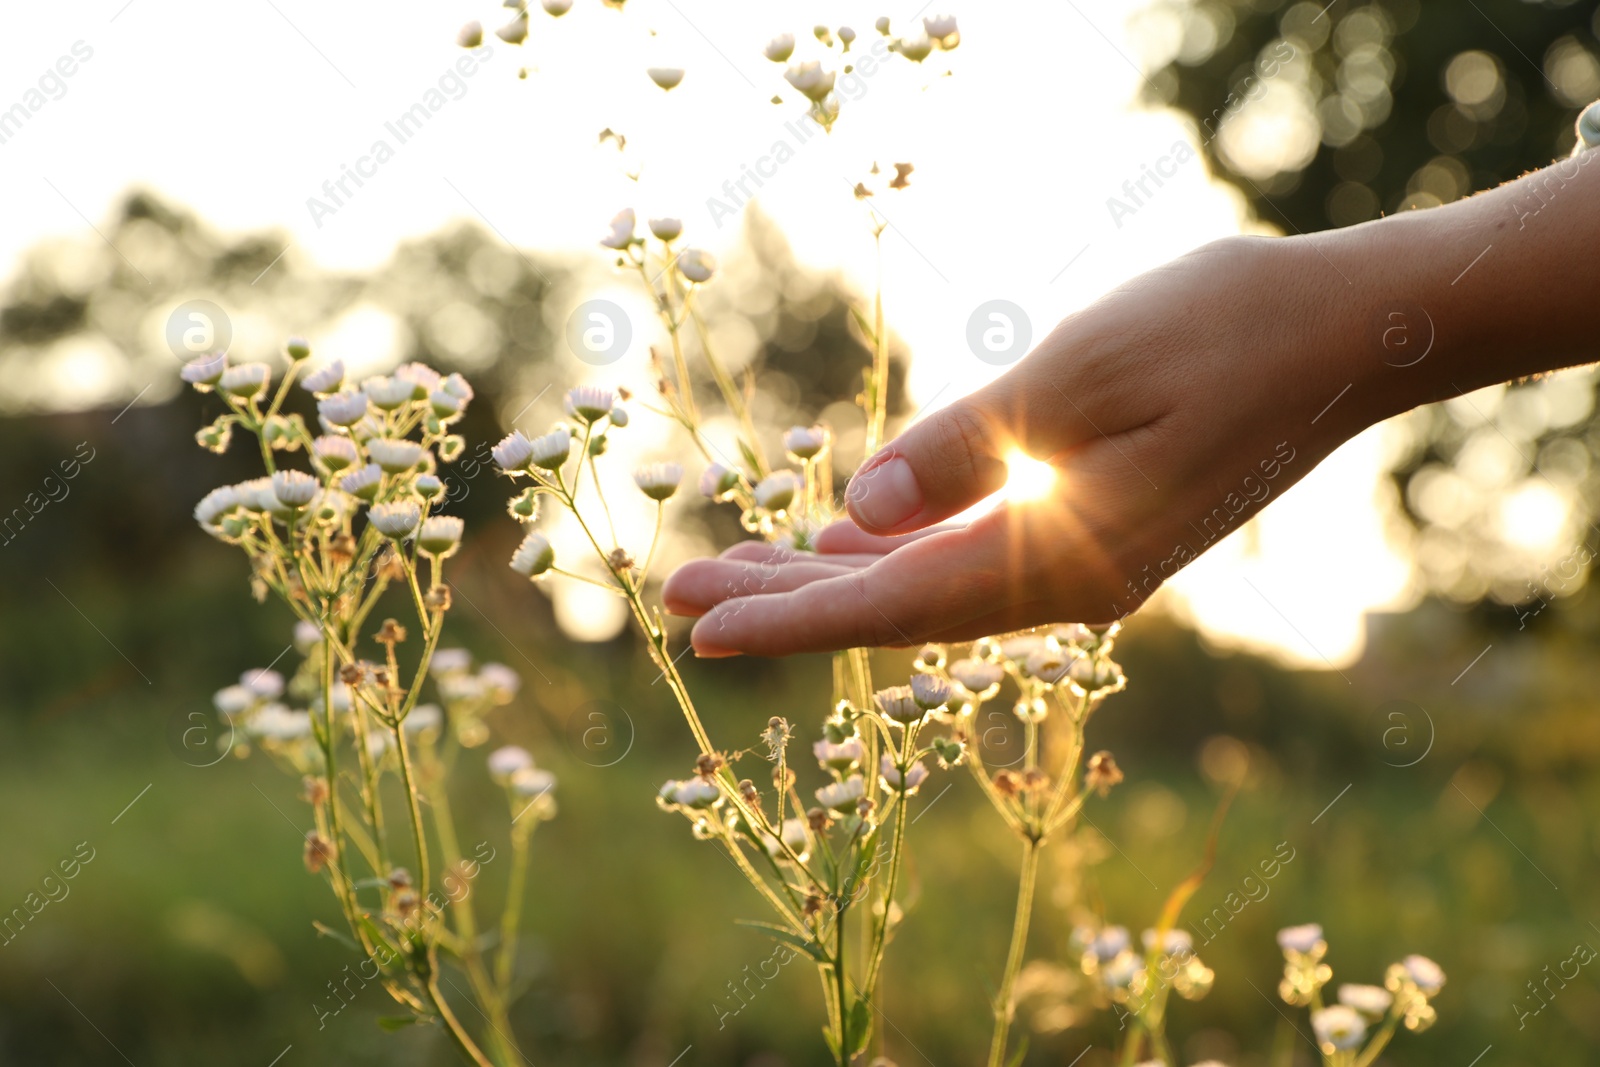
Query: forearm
x,y
1488,289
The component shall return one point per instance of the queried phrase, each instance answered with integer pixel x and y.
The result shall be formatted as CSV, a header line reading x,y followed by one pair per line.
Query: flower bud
x,y
666,77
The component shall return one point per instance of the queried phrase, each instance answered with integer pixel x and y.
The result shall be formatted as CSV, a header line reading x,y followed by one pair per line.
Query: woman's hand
x,y
1172,410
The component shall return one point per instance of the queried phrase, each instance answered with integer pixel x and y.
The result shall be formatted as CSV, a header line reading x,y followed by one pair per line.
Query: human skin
x,y
1155,405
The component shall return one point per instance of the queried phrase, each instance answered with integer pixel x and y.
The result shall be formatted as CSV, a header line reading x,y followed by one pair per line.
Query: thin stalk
x,y
1003,1006
511,916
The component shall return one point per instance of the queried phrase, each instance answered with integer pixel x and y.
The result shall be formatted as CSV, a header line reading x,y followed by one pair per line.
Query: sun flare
x,y
1028,478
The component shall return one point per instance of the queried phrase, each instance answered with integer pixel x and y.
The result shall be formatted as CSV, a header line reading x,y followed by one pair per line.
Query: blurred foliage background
x,y
1458,819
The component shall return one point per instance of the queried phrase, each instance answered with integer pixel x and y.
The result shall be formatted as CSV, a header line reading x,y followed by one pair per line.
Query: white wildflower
x,y
532,782
506,761
841,796
930,691
440,535
621,235
204,371
841,756
697,265
513,452
811,80
336,453
326,379
363,484
589,403
666,229
1303,939
395,457
344,408
916,774
795,834
1338,1029
395,520
803,442
1428,976
780,48
264,683
978,677
899,704
658,481
515,31
294,489
245,381
552,450
470,35
776,491
388,392
534,556
1370,1000
718,482
666,77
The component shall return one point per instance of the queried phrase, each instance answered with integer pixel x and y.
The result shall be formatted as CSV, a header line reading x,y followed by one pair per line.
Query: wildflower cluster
x,y
1356,1029
330,540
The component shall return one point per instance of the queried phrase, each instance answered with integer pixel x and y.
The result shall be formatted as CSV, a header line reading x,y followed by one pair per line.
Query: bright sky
x,y
244,110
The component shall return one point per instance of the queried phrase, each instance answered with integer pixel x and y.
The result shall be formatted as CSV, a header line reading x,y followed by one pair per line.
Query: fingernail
x,y
884,496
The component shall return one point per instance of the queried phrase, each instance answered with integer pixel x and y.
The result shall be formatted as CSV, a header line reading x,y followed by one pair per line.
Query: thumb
x,y
956,457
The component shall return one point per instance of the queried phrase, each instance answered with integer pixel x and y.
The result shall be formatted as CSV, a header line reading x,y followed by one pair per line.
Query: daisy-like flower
x,y
216,504
978,677
363,484
445,405
203,372
395,457
899,704
694,793
658,481
450,661
506,761
1338,1028
780,48
397,520
534,556
1175,943
388,392
697,265
531,782
667,78
456,385
424,718
941,29
325,379
776,491
841,796
344,408
336,453
515,31
277,723
423,378
795,834
915,775
1091,675
811,80
264,683
1428,976
428,486
848,36
500,681
804,442
245,381
440,535
1049,664
557,8
1303,939
294,489
589,403
840,757
1019,648
718,482
513,452
552,450
1108,943
916,48
256,494
621,235
1370,1000
470,35
666,229
234,700
1120,971
930,691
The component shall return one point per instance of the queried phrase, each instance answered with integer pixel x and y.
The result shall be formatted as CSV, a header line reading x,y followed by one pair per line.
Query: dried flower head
x,y
1102,773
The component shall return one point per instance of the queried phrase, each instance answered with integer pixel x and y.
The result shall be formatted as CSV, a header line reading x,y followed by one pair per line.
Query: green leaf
x,y
1022,1050
858,1026
397,1022
328,931
866,327
788,937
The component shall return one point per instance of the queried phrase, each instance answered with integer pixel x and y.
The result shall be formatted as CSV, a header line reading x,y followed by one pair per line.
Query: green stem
x,y
1003,1006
